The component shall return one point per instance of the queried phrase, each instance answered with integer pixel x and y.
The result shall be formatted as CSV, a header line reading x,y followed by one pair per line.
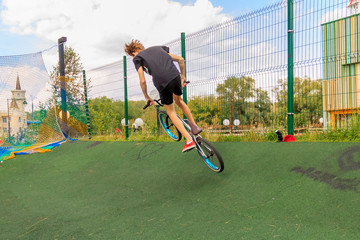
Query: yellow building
x,y
14,120
341,85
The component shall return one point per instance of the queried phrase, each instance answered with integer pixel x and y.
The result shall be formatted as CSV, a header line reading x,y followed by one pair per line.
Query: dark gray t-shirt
x,y
159,64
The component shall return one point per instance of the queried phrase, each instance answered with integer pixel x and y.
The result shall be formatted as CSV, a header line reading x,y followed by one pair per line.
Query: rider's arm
x,y
181,63
143,83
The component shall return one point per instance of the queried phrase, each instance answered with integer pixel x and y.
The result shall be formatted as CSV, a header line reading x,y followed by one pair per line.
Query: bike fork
x,y
198,146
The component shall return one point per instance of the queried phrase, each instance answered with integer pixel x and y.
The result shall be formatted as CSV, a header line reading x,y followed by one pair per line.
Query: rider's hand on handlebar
x,y
183,81
150,102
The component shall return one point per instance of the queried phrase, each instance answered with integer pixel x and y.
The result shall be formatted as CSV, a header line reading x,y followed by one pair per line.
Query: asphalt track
x,y
150,190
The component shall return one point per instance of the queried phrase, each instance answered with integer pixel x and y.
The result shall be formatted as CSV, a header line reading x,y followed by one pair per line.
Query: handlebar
x,y
155,100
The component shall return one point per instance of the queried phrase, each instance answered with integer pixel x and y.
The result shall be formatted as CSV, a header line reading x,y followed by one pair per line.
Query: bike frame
x,y
187,126
192,136
197,138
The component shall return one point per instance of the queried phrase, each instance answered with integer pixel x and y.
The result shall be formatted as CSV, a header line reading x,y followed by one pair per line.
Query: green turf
x,y
150,190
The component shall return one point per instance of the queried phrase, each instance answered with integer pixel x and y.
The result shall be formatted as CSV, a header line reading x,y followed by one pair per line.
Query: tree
x,y
307,99
205,108
262,101
262,106
75,96
234,94
73,73
239,98
102,115
106,114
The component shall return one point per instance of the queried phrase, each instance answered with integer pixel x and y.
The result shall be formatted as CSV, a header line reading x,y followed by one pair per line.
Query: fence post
x,y
126,100
290,117
86,106
64,128
183,54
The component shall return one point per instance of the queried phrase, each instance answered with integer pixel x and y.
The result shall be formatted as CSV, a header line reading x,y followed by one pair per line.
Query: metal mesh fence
x,y
235,67
33,115
239,69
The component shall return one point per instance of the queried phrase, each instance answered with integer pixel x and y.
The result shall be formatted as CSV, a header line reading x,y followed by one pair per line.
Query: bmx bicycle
x,y
207,151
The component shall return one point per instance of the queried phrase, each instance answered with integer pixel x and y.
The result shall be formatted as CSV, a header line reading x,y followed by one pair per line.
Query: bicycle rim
x,y
168,126
210,155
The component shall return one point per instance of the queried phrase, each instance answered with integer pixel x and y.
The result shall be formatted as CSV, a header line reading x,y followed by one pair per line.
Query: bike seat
x,y
194,129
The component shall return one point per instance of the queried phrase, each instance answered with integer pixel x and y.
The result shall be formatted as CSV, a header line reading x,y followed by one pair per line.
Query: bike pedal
x,y
188,150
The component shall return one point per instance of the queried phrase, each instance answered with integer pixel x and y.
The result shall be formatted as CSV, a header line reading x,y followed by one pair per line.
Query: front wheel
x,y
210,155
169,126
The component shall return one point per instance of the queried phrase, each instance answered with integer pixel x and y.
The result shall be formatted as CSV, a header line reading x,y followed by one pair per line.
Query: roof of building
x,y
18,87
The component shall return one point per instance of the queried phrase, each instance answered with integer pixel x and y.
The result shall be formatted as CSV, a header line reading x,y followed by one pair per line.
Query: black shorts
x,y
174,87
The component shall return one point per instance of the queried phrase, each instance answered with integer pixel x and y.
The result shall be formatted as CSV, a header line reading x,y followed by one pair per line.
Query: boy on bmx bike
x,y
159,63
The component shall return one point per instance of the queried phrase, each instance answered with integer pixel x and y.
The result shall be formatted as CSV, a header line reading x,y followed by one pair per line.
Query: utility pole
x,y
8,118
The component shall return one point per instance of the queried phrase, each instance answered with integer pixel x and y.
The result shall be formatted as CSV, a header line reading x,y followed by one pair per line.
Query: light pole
x,y
136,126
139,123
236,122
226,123
8,117
32,108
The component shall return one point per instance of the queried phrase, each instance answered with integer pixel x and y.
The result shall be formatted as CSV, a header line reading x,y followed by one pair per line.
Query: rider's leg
x,y
184,107
170,109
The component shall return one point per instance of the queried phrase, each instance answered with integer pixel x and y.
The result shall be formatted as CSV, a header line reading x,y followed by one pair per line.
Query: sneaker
x,y
189,146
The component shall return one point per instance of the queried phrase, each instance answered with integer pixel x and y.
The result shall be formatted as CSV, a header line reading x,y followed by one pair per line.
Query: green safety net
x,y
34,117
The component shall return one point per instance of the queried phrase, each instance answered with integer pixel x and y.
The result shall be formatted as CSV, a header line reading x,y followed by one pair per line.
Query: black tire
x,y
169,126
213,158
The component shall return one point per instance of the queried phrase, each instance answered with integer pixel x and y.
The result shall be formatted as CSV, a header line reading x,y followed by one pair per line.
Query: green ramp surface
x,y
150,190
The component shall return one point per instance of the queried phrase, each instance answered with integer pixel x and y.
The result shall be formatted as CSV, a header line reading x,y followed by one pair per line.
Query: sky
x,y
98,29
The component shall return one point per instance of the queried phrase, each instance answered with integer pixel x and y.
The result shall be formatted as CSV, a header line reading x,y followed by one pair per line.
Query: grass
x,y
348,134
338,135
149,190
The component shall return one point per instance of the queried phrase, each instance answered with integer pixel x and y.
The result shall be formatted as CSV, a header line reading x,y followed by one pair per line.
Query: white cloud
x,y
98,29
339,13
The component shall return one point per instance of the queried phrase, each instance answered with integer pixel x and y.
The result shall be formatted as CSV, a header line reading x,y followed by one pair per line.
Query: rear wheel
x,y
169,126
210,155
